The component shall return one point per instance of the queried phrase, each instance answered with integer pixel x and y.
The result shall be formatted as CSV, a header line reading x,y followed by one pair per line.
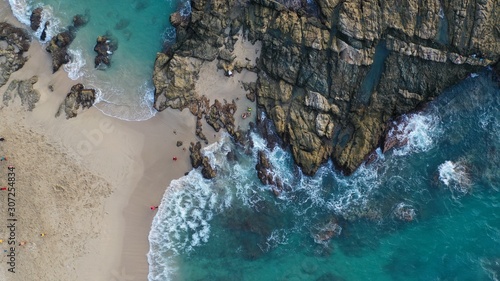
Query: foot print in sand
x,y
121,276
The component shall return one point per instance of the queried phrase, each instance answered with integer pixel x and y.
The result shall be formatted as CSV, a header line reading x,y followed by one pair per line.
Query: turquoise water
x,y
141,27
234,228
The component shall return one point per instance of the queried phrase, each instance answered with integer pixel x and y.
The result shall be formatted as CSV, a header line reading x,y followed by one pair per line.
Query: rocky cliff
x,y
332,73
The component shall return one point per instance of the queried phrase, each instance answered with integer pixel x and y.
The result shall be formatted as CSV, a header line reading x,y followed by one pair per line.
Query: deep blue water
x,y
447,178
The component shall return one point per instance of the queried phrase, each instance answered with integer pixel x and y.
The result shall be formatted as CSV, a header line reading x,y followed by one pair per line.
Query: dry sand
x,y
87,183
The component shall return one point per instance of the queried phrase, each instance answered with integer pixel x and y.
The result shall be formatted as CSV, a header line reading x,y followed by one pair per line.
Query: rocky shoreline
x,y
333,74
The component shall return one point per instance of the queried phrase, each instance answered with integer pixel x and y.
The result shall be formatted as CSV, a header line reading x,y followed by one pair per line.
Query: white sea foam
x,y
419,132
353,191
54,26
185,10
21,10
74,67
455,176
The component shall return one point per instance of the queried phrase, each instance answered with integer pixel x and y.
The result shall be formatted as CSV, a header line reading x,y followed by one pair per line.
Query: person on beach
x,y
3,188
154,208
175,158
3,158
2,139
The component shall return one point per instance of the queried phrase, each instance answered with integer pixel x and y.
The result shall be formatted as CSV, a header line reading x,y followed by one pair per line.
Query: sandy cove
x,y
88,183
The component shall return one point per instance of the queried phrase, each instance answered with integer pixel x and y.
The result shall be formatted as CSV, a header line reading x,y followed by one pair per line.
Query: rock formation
x,y
36,18
78,96
58,45
24,89
14,42
197,160
266,175
332,74
104,47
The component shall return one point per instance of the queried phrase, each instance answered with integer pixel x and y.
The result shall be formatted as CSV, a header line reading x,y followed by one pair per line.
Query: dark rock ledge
x,y
332,74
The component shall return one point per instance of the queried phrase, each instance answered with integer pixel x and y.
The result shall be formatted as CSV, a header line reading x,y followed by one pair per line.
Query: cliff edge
x,y
332,73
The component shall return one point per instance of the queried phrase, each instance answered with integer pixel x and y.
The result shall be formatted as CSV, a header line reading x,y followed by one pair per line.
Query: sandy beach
x,y
84,186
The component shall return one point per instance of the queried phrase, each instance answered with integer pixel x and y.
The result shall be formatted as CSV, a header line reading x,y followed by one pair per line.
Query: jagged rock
x,y
14,42
104,47
43,35
196,157
174,79
197,160
251,88
178,143
24,89
176,19
36,18
266,175
58,48
207,171
78,96
59,44
331,82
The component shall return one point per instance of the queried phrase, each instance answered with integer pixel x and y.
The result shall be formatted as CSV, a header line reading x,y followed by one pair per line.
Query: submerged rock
x,y
404,212
332,80
78,96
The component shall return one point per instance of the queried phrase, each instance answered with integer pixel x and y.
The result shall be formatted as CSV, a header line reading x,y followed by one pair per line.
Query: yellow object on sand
x,y
1,241
42,234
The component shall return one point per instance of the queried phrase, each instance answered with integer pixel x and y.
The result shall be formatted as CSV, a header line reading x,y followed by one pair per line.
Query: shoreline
x,y
108,229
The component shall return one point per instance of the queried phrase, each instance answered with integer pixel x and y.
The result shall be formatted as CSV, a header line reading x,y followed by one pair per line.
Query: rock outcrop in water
x,y
78,96
59,44
14,42
333,73
198,159
36,18
104,47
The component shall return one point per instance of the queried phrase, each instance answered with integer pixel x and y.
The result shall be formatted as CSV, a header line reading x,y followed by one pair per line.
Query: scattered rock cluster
x,y
332,76
14,42
78,96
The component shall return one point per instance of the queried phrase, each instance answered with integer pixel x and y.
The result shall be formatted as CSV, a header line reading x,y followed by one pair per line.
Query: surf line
x,y
11,220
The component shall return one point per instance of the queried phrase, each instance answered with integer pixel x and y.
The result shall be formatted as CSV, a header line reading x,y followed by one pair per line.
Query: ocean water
x,y
141,27
427,211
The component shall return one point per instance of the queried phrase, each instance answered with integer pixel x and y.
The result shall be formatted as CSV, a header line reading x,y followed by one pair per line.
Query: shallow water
x,y
141,27
234,228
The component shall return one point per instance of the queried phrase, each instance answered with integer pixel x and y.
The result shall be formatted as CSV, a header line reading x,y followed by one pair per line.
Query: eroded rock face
x,y
332,78
78,96
14,42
